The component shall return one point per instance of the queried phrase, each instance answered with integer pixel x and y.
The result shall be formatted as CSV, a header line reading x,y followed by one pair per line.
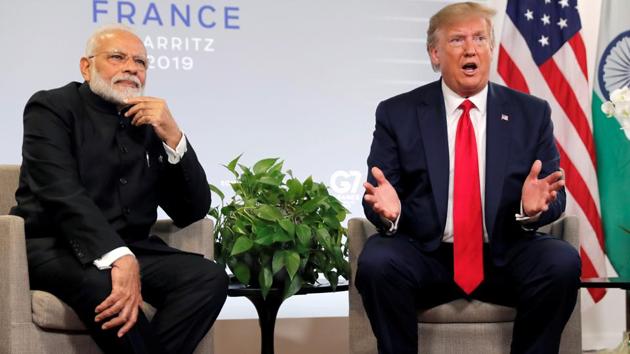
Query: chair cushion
x,y
464,311
50,312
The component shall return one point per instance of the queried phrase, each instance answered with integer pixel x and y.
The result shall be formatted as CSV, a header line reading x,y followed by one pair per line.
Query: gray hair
x,y
102,30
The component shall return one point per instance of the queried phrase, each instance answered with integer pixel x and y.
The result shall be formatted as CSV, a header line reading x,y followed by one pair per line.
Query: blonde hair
x,y
456,12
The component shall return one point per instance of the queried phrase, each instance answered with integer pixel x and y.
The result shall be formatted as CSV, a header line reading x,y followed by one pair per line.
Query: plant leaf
x,y
323,233
308,183
264,234
277,168
242,244
312,204
278,261
292,263
216,190
231,166
264,240
303,231
265,278
288,226
333,279
291,288
304,235
269,212
239,227
241,271
332,222
271,181
281,236
263,166
296,190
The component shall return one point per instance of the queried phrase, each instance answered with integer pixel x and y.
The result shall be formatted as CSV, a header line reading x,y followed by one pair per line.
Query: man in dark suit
x,y
98,159
463,171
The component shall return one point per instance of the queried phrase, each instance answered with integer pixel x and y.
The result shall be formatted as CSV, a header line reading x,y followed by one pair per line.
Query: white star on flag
x,y
545,19
529,15
562,23
544,40
563,3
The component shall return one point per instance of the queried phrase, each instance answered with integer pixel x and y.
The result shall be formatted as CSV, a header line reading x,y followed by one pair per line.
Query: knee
x,y
564,268
376,263
212,279
96,285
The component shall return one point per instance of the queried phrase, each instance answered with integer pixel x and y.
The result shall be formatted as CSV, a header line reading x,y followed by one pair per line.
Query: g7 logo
x,y
342,182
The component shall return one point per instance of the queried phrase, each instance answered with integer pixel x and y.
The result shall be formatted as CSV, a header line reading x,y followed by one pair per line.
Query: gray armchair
x,y
458,326
37,321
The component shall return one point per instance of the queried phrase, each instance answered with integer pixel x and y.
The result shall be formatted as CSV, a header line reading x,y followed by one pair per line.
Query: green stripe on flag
x,y
613,171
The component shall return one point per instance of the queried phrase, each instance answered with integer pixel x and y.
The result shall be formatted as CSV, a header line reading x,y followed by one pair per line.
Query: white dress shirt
x,y
452,101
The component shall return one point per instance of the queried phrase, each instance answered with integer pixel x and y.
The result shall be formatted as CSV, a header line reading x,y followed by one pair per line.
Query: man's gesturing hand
x,y
122,305
383,199
537,193
154,111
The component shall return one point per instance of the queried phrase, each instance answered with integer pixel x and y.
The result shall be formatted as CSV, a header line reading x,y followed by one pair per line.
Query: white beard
x,y
110,92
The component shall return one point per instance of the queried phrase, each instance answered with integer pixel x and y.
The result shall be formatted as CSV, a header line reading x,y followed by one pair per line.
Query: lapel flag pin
x,y
505,117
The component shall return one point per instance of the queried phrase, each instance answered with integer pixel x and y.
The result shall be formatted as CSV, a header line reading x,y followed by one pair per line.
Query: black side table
x,y
619,283
268,308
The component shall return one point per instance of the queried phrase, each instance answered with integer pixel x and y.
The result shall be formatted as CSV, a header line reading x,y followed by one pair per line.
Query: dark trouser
x,y
187,290
395,278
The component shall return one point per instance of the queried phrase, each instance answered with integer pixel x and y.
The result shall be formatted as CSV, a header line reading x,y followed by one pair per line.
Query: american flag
x,y
542,53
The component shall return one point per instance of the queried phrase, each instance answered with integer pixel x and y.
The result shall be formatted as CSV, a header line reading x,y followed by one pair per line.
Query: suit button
x,y
123,148
126,211
122,181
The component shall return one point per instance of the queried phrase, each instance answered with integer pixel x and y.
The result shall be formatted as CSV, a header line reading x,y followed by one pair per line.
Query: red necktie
x,y
467,216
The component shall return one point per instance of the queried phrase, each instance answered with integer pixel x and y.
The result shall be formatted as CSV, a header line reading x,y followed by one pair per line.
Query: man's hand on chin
x,y
121,307
154,111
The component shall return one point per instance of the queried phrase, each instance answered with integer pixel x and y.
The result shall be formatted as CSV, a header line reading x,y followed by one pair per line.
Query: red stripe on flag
x,y
566,99
582,188
588,271
510,73
575,183
580,52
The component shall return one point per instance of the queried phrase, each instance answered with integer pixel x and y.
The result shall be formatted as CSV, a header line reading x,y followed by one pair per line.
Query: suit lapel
x,y
498,129
432,120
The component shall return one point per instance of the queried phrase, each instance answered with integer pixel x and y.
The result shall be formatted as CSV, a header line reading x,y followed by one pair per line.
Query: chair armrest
x,y
360,333
359,230
196,237
14,284
566,228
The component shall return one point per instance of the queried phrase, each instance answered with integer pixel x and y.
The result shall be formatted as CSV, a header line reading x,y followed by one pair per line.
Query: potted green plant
x,y
278,231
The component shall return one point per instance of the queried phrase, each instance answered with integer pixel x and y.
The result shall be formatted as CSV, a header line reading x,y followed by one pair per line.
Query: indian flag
x,y
612,71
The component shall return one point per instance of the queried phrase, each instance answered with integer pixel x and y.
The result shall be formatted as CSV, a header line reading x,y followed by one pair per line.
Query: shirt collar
x,y
453,100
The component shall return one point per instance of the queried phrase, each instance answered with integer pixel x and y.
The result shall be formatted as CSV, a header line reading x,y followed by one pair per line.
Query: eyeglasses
x,y
459,41
120,58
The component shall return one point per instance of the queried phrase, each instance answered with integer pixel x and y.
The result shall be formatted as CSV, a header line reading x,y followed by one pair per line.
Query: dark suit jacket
x,y
410,145
91,182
